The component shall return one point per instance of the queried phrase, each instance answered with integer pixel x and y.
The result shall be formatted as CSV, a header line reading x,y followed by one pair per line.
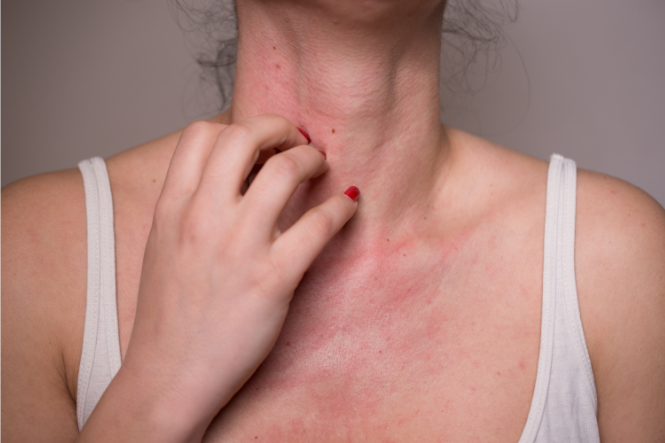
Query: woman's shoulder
x,y
620,247
43,299
620,277
620,273
44,229
44,283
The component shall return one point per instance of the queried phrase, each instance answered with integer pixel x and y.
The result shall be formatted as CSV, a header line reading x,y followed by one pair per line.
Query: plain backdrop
x,y
583,78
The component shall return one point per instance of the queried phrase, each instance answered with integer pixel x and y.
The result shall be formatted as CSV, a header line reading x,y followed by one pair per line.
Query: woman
x,y
414,312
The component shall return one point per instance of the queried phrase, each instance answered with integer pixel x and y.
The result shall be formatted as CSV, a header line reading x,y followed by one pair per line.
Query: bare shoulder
x,y
44,244
43,220
43,304
620,268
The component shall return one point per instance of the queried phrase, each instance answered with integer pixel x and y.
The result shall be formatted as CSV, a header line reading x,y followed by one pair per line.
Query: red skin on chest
x,y
406,337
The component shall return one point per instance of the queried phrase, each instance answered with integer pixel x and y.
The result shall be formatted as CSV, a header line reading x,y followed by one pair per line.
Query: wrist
x,y
136,408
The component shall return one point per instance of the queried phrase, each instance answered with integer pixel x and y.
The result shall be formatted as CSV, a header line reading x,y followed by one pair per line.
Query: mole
x,y
333,130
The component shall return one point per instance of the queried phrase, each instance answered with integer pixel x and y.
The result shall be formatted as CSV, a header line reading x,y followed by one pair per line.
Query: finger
x,y
295,250
275,184
189,158
237,148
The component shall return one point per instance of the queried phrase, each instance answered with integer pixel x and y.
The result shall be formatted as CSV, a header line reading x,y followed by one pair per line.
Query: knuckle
x,y
239,132
284,166
199,128
283,122
320,223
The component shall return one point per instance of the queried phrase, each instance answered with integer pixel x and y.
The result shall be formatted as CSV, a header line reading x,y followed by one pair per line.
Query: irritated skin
x,y
418,321
393,347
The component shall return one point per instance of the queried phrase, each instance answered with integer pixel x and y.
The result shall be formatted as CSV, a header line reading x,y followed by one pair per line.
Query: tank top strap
x,y
564,401
100,357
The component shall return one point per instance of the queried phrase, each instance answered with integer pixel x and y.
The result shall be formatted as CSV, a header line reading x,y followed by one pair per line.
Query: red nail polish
x,y
323,154
352,193
306,135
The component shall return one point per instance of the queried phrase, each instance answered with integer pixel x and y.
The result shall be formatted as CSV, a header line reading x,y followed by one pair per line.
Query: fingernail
x,y
352,193
306,135
323,154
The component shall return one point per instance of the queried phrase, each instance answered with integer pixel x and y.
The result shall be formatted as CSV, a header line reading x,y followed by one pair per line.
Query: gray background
x,y
87,77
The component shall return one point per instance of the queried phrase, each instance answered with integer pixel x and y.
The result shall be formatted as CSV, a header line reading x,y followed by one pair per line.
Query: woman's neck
x,y
362,78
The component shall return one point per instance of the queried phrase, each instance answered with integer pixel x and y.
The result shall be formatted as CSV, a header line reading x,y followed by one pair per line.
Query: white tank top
x,y
564,404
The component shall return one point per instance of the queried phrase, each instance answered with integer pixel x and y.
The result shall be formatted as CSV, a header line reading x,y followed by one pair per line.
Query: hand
x,y
218,275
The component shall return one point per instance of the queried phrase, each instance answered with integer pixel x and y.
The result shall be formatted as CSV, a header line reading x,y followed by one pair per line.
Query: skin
x,y
419,320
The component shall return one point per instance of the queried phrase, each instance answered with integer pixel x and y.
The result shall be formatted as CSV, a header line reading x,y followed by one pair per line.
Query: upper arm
x,y
43,274
620,264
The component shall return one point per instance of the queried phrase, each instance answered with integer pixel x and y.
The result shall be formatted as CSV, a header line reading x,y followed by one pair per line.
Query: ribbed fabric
x,y
100,358
564,405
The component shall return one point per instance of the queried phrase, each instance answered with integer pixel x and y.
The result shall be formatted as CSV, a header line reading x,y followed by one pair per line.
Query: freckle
x,y
404,255
333,130
380,352
154,180
644,225
274,47
277,65
425,218
387,239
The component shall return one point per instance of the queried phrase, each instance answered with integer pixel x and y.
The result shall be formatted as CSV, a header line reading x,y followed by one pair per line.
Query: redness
x,y
378,330
374,310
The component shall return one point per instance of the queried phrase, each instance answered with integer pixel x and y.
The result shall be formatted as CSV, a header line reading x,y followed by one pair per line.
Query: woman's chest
x,y
398,351
406,342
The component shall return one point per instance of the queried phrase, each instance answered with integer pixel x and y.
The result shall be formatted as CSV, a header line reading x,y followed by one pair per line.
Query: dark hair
x,y
471,29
